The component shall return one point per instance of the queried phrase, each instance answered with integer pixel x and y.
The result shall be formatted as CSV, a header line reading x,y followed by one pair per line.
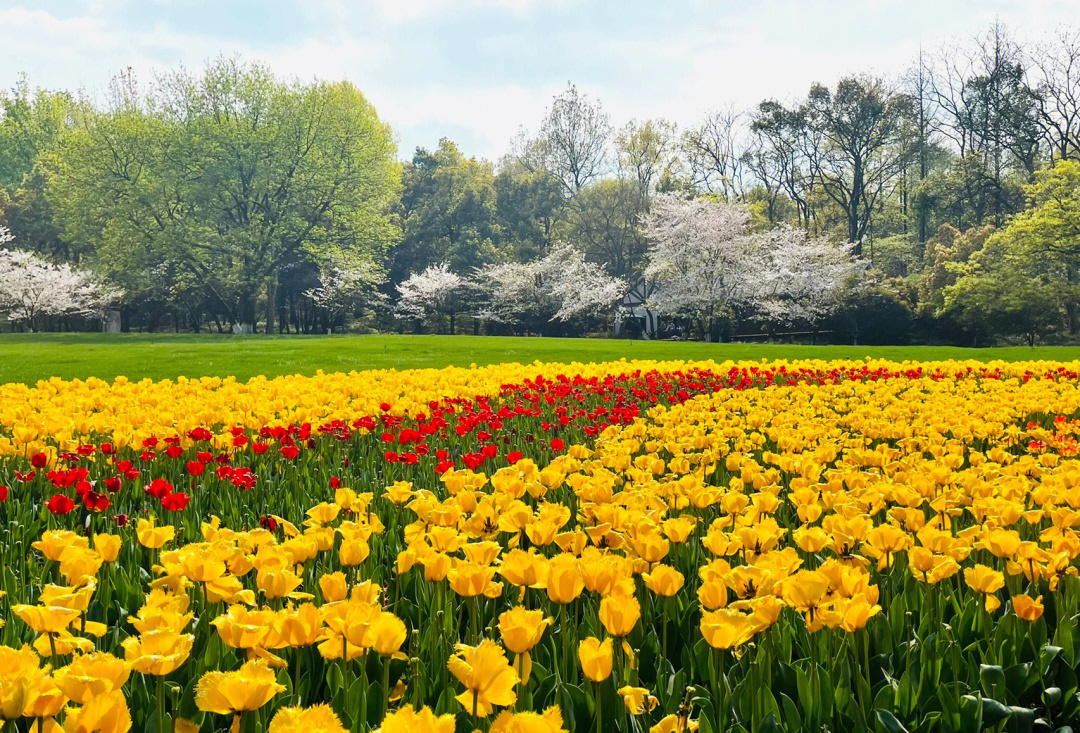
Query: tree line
x,y
940,203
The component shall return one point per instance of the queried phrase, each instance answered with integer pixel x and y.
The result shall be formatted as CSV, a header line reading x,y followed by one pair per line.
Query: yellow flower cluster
x,y
754,544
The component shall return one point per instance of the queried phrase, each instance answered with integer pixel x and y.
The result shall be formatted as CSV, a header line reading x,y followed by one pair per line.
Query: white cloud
x,y
400,11
398,52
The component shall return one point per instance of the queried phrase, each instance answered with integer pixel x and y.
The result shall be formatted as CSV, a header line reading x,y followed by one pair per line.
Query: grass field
x,y
30,357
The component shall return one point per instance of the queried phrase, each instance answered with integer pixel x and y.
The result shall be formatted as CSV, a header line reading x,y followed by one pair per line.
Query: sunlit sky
x,y
479,70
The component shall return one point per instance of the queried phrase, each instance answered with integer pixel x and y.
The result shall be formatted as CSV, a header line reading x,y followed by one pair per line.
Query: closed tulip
x,y
108,546
619,613
595,657
664,581
564,582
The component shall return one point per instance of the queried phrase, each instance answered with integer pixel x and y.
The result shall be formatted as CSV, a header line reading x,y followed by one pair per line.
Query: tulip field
x,y
626,546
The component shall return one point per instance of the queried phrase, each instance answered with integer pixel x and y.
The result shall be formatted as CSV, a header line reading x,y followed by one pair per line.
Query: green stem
x,y
599,712
386,686
161,703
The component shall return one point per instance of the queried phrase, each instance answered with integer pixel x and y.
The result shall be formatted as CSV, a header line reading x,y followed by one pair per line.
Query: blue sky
x,y
479,70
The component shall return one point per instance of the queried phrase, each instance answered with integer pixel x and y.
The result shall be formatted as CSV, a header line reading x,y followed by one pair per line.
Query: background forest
x,y
939,203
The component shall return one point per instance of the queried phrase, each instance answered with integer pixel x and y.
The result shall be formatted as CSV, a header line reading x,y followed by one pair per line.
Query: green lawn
x,y
30,357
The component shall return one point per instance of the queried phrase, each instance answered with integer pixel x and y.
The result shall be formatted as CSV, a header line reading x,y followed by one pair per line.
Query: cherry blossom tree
x,y
555,288
700,258
434,294
345,284
798,279
32,288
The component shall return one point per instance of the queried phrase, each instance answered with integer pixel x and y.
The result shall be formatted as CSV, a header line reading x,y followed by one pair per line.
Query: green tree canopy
x,y
216,182
449,210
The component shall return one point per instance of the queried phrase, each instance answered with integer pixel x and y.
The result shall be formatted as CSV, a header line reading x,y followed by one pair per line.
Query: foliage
x,y
450,212
699,257
227,177
797,279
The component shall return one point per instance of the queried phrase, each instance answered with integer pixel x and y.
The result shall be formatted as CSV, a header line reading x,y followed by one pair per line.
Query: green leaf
x,y
1021,719
888,722
992,679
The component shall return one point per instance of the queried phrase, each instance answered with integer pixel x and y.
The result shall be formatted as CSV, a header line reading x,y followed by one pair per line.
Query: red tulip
x,y
176,502
159,488
96,502
60,504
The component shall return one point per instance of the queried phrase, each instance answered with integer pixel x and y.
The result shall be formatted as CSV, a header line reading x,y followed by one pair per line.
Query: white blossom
x,y
344,284
800,278
437,291
700,256
556,287
31,287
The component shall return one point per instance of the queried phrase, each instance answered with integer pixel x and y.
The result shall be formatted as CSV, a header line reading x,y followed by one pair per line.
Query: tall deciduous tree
x,y
450,212
603,220
558,287
573,140
859,124
715,153
798,280
646,151
436,293
230,175
699,258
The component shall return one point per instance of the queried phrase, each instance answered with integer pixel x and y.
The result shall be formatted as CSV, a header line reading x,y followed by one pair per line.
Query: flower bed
x,y
771,546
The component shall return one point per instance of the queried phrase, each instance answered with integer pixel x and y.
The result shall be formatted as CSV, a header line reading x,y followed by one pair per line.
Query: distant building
x,y
634,319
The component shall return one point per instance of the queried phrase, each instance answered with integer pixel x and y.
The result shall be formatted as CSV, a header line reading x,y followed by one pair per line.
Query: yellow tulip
x,y
408,720
46,619
158,652
664,580
638,701
387,634
595,657
487,676
316,719
726,628
107,713
248,688
92,675
550,721
108,546
334,587
564,582
1028,608
300,626
619,613
153,537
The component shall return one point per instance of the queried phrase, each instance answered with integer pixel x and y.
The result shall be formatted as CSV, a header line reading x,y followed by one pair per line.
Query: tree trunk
x,y
271,302
247,314
451,324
